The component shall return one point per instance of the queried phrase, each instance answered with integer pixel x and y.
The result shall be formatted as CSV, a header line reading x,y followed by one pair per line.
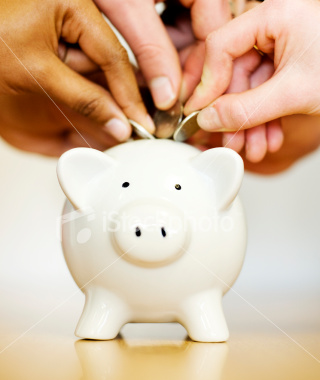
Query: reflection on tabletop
x,y
120,359
158,351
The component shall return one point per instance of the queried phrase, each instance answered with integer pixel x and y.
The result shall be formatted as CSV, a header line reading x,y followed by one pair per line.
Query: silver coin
x,y
187,127
140,131
167,121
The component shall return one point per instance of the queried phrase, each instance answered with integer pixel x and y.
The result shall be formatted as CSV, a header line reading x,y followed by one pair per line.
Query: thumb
x,y
271,100
83,96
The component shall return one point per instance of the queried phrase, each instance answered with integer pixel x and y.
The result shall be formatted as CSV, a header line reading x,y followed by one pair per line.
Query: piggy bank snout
x,y
150,234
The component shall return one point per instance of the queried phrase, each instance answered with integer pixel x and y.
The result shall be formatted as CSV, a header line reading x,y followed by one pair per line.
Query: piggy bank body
x,y
153,231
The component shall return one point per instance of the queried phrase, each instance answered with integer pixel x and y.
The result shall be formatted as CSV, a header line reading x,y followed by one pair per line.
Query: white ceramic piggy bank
x,y
153,231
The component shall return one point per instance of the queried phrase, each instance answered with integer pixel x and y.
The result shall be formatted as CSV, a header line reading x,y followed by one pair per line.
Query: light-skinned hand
x,y
289,33
301,136
249,71
143,29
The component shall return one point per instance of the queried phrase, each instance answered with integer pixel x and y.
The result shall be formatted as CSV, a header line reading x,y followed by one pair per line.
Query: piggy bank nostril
x,y
163,232
138,232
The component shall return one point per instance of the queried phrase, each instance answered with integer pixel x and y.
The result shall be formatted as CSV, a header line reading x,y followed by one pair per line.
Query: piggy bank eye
x,y
177,186
125,184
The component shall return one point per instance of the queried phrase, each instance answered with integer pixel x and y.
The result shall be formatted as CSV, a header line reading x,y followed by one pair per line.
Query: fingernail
x,y
162,92
118,129
209,120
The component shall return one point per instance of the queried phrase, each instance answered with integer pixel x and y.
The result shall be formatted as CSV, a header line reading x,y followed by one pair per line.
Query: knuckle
x,y
40,70
149,53
38,67
130,108
212,41
92,108
239,115
118,57
215,46
234,115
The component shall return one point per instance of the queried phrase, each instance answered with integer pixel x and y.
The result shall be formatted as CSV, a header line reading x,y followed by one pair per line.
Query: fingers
x,y
76,59
91,136
56,145
262,138
234,141
85,97
192,69
256,143
208,15
249,72
88,131
231,41
268,101
244,68
87,27
275,135
181,35
149,40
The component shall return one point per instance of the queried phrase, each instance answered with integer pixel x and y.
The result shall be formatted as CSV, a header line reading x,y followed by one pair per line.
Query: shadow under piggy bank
x,y
120,359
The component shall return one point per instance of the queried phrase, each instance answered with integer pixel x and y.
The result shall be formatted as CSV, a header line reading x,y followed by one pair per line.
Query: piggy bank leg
x,y
203,317
103,315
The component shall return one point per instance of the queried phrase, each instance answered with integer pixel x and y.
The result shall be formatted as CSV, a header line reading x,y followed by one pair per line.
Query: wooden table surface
x,y
158,351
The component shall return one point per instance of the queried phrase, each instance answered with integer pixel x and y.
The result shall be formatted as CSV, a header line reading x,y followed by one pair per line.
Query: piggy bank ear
x,y
225,167
77,168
